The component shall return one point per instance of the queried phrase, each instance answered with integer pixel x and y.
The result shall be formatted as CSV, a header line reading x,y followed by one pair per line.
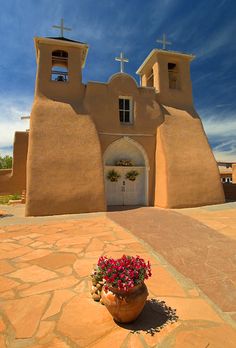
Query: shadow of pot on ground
x,y
154,317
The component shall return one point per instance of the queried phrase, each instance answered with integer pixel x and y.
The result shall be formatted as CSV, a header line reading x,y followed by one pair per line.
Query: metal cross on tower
x,y
164,42
122,60
25,118
61,27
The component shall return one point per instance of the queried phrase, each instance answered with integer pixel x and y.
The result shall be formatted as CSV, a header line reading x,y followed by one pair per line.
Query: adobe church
x,y
116,143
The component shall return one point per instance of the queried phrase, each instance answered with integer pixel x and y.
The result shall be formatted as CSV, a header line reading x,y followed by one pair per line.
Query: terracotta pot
x,y
125,306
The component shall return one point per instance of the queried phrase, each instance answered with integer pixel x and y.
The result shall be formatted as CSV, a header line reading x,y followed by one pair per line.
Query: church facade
x,y
116,143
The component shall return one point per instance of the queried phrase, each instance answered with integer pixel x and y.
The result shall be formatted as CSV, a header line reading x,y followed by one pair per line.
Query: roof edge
x,y
121,74
59,41
165,52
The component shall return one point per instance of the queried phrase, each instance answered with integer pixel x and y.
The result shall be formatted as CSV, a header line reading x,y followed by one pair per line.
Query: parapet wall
x,y
14,180
64,168
186,171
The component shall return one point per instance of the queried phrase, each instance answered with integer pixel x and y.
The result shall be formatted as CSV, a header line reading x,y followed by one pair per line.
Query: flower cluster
x,y
123,273
113,175
124,162
131,175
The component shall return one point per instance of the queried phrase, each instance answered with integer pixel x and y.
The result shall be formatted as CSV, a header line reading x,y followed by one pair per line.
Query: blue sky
x,y
205,28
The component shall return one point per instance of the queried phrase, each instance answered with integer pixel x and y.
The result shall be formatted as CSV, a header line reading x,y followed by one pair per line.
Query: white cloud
x,y
225,156
11,110
221,132
222,3
160,11
220,127
226,151
6,151
203,43
218,40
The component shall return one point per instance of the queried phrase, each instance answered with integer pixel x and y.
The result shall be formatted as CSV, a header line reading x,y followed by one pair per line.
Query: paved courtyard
x,y
45,264
202,250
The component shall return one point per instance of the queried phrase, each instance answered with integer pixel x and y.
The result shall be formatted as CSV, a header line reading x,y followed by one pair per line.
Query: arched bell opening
x,y
173,73
59,66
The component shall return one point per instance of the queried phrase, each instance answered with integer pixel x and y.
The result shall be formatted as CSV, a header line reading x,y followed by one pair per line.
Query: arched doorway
x,y
124,190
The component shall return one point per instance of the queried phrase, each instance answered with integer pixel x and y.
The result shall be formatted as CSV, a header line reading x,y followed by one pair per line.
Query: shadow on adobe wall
x,y
122,207
230,192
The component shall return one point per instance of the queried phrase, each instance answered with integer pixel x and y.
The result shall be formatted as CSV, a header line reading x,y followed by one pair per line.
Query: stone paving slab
x,y
221,217
203,254
45,296
15,215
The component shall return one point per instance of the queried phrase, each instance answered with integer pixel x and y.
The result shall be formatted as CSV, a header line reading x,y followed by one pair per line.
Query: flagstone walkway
x,y
45,296
220,217
204,252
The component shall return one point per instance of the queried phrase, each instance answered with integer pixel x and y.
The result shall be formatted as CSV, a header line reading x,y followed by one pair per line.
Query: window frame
x,y
174,72
131,118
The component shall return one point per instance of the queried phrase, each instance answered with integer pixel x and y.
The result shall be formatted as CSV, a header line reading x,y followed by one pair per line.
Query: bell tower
x,y
59,68
169,73
182,148
64,153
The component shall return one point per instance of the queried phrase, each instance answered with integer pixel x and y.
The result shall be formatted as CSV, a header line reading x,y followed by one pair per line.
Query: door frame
x,y
122,171
145,157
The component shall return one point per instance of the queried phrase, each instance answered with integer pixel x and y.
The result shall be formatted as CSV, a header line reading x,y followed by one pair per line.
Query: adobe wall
x,y
64,169
101,102
226,175
230,191
4,172
187,174
14,181
234,173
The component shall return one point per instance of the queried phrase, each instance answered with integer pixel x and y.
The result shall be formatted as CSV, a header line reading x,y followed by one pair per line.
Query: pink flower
x,y
123,273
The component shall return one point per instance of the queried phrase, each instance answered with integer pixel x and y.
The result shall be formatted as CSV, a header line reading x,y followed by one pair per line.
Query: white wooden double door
x,y
125,191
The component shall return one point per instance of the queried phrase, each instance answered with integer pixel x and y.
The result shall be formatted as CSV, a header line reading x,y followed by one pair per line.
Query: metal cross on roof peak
x,y
25,117
61,27
122,60
164,42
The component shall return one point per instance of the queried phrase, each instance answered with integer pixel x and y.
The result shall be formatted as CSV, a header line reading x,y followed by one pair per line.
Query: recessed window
x,y
150,80
59,66
125,110
173,74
